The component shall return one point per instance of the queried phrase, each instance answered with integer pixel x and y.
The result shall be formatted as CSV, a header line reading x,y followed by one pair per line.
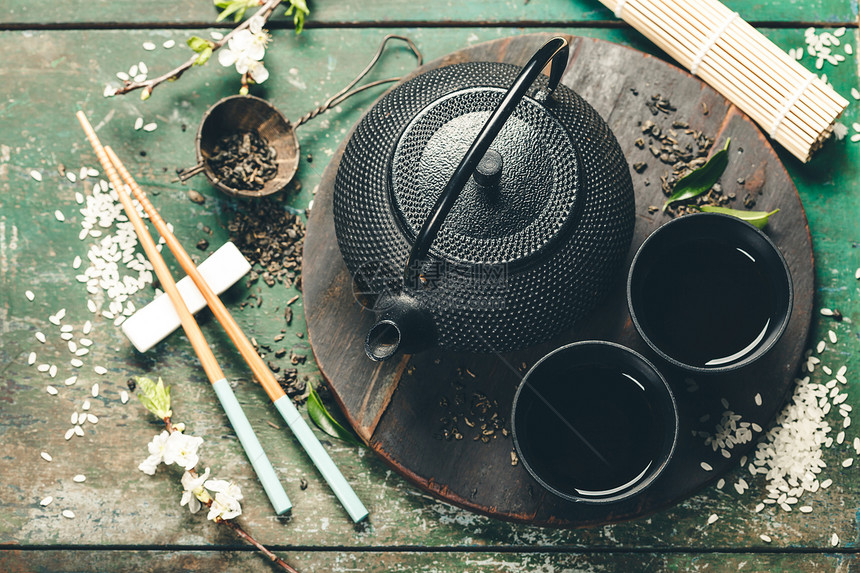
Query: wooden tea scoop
x,y
261,464
283,403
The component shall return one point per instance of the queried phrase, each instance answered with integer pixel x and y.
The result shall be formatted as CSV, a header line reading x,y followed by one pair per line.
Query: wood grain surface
x,y
127,521
396,406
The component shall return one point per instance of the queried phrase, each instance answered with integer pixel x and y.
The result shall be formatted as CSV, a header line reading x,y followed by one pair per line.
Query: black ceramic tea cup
x,y
709,293
594,422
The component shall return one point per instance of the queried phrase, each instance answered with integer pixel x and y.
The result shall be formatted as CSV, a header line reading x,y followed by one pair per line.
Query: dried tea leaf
x,y
325,421
757,218
699,181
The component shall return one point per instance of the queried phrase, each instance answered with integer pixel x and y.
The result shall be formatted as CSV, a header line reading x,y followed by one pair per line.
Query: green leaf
x,y
203,57
154,396
697,182
198,44
325,421
221,3
299,10
757,218
232,7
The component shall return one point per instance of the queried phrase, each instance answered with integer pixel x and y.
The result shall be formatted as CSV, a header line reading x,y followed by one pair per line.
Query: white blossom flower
x,y
226,503
182,450
193,488
246,49
157,449
257,71
226,487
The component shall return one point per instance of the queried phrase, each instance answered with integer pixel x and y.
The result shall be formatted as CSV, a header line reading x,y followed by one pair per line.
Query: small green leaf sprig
x,y
325,421
174,447
246,45
702,179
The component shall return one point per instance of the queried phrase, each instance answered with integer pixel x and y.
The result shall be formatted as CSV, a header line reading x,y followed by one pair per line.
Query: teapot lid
x,y
521,195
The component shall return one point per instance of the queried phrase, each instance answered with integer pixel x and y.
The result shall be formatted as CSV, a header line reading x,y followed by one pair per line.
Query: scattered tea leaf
x,y
697,182
325,421
757,218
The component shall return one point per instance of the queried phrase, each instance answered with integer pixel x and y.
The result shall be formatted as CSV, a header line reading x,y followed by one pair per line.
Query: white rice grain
x,y
36,175
30,296
846,463
152,126
80,478
101,370
834,540
123,396
758,399
40,337
148,46
79,431
52,371
31,359
86,405
88,326
713,518
71,380
832,336
68,514
706,466
95,390
51,390
43,367
168,44
46,456
59,215
765,537
805,508
76,362
819,348
138,123
46,501
92,419
69,433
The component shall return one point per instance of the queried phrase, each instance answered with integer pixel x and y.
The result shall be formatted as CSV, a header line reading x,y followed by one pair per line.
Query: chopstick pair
x,y
265,472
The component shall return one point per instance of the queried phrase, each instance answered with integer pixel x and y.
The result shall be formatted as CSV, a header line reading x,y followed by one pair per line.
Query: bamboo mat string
x,y
697,61
788,105
749,70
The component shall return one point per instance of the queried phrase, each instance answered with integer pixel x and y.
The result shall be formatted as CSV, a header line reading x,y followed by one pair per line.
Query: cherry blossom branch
x,y
241,533
265,12
173,446
229,522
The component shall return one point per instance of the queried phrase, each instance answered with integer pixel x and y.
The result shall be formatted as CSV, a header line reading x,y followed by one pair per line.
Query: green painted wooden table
x,y
56,59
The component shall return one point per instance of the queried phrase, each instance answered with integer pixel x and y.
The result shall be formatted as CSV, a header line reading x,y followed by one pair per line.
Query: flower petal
x,y
226,57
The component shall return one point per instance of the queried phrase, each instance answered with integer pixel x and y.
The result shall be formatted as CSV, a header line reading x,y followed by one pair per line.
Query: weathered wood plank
x,y
327,13
343,561
45,77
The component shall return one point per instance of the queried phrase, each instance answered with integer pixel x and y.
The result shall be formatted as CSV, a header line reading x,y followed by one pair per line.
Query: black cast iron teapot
x,y
485,206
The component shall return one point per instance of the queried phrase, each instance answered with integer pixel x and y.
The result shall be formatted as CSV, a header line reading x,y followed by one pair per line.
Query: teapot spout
x,y
402,327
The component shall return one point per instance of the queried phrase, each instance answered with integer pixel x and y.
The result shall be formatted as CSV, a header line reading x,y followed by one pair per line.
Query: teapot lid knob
x,y
488,173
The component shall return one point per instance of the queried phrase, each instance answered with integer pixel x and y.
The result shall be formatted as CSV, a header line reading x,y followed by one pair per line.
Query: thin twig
x,y
235,526
265,12
241,533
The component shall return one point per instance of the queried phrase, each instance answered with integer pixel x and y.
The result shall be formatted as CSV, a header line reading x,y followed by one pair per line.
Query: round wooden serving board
x,y
397,406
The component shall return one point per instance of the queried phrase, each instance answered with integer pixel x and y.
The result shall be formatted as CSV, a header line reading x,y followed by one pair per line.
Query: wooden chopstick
x,y
247,437
341,488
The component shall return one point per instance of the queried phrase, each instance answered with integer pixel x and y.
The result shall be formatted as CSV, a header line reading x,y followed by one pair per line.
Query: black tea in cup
x,y
594,422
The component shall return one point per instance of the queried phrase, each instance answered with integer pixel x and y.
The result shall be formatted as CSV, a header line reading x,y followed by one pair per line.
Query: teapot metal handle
x,y
555,51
